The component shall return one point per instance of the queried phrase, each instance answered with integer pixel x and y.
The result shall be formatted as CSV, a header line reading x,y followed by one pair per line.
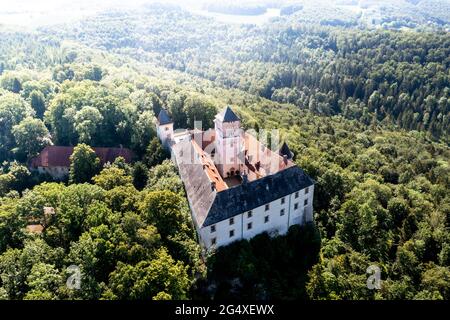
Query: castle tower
x,y
229,143
164,128
284,151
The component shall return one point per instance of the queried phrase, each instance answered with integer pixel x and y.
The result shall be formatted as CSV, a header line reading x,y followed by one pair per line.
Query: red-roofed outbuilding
x,y
55,160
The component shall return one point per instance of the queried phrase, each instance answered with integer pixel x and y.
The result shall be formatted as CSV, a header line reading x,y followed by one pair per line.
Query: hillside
x,y
400,76
365,111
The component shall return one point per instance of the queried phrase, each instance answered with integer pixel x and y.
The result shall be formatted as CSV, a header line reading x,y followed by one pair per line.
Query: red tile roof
x,y
210,168
59,156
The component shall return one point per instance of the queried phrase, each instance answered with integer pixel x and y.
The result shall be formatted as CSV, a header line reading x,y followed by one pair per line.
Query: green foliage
x,y
140,175
165,177
263,267
322,64
366,113
95,73
437,279
98,114
162,208
84,164
160,278
16,178
37,102
341,277
123,198
31,136
11,225
86,122
16,268
10,82
112,177
155,153
197,109
44,281
13,109
101,230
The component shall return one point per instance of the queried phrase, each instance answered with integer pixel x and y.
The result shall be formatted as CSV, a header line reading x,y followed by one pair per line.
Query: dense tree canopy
x,y
31,136
366,113
84,164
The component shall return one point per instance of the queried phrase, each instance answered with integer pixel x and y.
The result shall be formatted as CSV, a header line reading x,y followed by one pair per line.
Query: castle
x,y
236,187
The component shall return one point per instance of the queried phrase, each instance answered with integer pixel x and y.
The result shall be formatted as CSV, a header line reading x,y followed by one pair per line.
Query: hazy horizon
x,y
29,13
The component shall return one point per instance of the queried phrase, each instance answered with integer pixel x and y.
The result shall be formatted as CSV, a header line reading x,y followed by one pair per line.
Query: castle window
x,y
296,206
306,202
282,212
249,226
231,221
282,200
231,233
266,219
213,229
213,241
249,214
307,190
267,207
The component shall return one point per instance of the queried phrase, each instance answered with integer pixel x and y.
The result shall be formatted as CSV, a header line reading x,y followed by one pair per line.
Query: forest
x,y
401,77
366,113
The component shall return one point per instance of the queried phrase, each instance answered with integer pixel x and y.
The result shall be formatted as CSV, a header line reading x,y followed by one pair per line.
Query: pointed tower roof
x,y
227,115
163,117
284,150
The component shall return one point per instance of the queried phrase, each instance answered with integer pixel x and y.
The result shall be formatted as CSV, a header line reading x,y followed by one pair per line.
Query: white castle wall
x,y
277,224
